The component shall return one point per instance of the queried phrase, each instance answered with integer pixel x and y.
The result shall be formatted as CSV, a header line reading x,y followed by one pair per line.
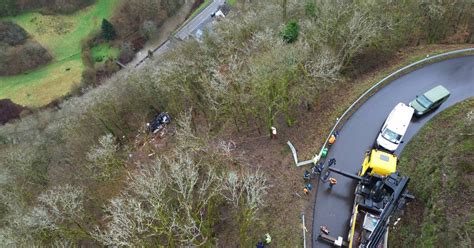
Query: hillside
x,y
90,174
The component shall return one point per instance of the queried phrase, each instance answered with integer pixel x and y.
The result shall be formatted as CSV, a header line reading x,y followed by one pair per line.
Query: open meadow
x,y
61,35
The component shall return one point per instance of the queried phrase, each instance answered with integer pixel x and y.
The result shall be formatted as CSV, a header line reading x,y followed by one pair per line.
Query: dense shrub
x,y
106,69
87,58
108,30
18,59
290,32
9,110
17,53
126,53
131,15
7,8
12,7
88,77
12,34
148,29
310,9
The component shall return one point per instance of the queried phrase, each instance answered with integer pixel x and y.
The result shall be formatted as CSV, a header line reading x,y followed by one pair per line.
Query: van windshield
x,y
423,101
391,136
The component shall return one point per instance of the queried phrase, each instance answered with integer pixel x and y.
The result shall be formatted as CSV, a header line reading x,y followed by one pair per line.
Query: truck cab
x,y
378,162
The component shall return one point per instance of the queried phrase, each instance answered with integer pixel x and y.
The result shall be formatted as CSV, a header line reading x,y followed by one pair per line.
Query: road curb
x,y
379,85
390,78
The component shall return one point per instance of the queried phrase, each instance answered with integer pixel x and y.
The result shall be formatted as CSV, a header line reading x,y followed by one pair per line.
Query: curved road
x,y
333,208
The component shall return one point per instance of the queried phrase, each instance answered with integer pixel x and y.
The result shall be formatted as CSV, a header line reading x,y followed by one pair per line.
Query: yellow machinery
x,y
380,193
379,162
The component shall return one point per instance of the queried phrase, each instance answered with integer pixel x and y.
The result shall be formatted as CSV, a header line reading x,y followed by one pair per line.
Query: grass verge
x,y
61,35
440,162
199,9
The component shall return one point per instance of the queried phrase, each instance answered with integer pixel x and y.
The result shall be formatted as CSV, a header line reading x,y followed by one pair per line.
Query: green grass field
x,y
104,51
61,35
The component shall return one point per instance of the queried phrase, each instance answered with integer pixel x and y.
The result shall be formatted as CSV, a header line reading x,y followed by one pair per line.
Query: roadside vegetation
x,y
201,4
266,65
440,163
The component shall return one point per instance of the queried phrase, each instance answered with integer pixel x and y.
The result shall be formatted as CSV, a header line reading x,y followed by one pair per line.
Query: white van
x,y
395,127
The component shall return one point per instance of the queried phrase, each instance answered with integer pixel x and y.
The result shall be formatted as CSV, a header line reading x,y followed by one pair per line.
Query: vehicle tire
x,y
374,145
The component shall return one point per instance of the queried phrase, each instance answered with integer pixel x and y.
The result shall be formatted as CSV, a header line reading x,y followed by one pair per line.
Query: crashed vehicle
x,y
159,122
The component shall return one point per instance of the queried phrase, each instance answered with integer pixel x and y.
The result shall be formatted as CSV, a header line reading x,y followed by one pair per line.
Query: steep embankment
x,y
440,162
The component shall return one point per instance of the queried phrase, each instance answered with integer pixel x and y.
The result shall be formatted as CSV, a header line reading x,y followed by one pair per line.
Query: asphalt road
x,y
198,22
203,17
333,207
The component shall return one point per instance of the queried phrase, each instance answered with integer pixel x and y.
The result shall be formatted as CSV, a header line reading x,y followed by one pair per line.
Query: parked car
x,y
429,100
394,127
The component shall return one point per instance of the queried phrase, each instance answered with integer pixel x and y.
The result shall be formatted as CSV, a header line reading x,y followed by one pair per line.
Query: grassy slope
x,y
61,35
442,179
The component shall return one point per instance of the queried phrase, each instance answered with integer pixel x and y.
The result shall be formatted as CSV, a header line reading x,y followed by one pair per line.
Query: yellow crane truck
x,y
378,195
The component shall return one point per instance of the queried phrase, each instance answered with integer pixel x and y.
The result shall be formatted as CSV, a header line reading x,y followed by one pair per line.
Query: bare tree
x,y
103,159
59,209
63,202
247,196
174,198
128,223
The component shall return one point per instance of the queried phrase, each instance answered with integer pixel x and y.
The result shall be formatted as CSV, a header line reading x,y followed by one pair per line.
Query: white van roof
x,y
399,118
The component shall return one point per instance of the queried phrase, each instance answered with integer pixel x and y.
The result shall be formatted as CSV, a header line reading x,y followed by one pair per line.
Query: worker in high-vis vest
x,y
273,132
332,139
332,182
306,191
